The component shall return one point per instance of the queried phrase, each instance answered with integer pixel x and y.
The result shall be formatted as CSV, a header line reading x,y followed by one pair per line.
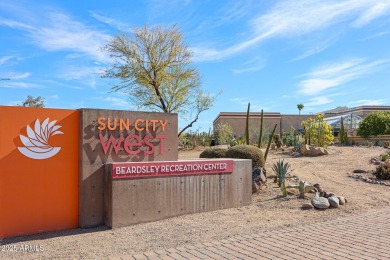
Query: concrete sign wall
x,y
134,200
108,136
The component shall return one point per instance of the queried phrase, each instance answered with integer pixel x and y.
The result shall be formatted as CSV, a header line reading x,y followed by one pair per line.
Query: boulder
x,y
259,175
320,202
305,149
334,201
313,151
307,206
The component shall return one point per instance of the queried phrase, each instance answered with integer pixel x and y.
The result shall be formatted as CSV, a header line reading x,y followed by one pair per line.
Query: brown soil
x,y
269,211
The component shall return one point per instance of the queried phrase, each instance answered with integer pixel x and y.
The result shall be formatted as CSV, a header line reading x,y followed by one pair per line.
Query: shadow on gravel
x,y
49,235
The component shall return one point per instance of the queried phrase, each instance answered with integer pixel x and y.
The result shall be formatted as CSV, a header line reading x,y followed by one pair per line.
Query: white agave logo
x,y
36,144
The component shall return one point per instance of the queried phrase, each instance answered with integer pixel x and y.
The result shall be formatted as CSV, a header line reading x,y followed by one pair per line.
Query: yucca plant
x,y
281,170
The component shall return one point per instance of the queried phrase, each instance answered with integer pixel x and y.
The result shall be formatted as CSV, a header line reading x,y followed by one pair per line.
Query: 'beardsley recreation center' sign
x,y
170,168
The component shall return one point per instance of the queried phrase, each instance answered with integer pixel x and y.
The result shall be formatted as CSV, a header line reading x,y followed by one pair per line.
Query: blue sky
x,y
274,54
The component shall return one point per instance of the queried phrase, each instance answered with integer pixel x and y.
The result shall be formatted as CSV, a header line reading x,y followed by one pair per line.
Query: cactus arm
x,y
269,142
261,130
247,125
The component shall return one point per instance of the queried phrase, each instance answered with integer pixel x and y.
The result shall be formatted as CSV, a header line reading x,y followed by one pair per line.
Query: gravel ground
x,y
268,212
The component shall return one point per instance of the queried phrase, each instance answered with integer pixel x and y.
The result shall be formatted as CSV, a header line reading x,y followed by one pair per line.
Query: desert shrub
x,y
225,133
213,153
288,138
317,131
238,141
384,157
368,143
383,171
278,141
247,152
298,144
376,123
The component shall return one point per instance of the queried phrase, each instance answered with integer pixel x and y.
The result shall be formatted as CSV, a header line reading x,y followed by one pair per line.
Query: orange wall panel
x,y
38,195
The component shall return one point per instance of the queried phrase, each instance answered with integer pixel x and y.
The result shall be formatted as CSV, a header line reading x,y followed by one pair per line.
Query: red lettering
x,y
146,141
161,137
127,144
110,141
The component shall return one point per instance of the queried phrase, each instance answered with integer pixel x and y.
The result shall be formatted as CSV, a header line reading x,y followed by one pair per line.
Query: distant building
x,y
361,111
237,120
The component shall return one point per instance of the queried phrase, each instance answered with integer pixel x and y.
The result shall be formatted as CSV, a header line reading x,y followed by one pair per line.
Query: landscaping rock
x,y
341,200
313,151
307,206
330,194
334,201
322,194
320,202
259,175
305,149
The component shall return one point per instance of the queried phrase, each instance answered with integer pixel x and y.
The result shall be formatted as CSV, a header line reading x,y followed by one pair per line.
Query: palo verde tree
x,y
33,102
153,65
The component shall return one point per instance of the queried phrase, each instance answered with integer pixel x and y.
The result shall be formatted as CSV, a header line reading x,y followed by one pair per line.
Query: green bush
x,y
247,152
383,171
213,153
377,123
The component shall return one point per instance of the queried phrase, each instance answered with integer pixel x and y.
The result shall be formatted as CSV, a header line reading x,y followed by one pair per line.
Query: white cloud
x,y
318,101
63,33
21,76
79,72
117,101
320,45
379,34
335,74
378,9
109,21
18,85
59,32
243,103
296,18
15,24
253,65
5,59
368,102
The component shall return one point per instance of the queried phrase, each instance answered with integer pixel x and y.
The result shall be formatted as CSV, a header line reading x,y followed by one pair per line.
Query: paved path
x,y
365,236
